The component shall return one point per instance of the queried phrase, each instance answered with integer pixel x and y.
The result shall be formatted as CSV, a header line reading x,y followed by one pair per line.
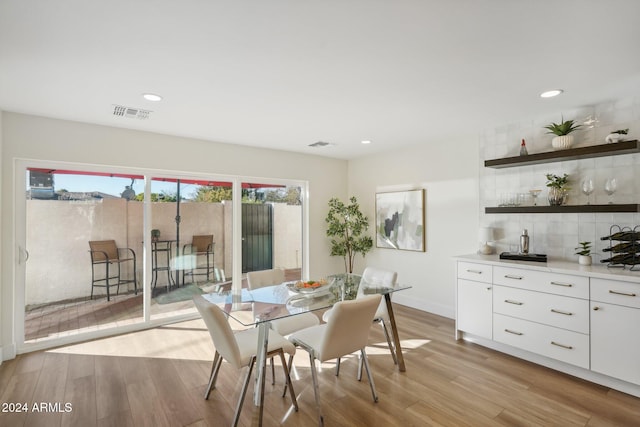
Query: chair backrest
x,y
99,246
348,327
221,333
258,279
202,243
379,277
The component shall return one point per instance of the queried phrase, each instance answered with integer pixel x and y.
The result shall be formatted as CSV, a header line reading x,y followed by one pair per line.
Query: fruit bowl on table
x,y
309,286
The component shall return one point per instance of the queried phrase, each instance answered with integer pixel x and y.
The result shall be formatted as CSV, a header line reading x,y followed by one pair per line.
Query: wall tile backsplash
x,y
558,234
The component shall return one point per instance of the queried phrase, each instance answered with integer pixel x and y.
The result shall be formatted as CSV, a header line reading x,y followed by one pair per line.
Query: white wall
x,y
31,137
448,171
2,328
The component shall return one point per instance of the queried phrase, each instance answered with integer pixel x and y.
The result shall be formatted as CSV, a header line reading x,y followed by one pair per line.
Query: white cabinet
x,y
615,319
584,322
474,313
544,313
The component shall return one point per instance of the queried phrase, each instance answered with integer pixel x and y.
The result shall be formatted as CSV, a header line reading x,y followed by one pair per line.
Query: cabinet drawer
x,y
616,292
553,310
566,346
475,272
542,281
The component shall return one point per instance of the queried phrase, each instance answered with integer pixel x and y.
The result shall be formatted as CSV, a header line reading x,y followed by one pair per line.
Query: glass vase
x,y
556,196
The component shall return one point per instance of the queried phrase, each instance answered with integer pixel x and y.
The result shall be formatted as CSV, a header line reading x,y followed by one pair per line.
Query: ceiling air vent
x,y
132,113
319,144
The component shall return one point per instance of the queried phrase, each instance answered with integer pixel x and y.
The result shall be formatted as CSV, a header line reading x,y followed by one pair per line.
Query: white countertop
x,y
558,266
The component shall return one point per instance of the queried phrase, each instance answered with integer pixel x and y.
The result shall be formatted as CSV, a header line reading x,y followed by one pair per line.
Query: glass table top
x,y
251,307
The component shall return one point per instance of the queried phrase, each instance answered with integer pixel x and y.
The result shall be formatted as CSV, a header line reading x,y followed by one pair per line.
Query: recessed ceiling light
x,y
152,97
366,142
551,93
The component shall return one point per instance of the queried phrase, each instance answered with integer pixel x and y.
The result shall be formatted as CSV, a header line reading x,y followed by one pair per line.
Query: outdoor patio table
x,y
161,247
259,307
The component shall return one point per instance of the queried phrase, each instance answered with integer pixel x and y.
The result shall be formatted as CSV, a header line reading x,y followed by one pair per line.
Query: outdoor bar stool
x,y
106,253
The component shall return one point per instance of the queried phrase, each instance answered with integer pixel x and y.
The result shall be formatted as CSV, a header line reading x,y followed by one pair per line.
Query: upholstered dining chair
x,y
373,276
346,331
239,350
287,325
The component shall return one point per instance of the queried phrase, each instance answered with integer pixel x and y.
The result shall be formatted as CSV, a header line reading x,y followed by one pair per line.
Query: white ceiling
x,y
286,73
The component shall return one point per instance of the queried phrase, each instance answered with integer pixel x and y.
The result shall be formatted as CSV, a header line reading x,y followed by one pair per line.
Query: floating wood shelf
x,y
633,208
624,147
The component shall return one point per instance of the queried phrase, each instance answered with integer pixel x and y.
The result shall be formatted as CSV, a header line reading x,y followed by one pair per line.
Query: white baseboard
x,y
420,304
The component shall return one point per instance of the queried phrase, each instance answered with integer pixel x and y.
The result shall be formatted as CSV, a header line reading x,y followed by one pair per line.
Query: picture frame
x,y
400,217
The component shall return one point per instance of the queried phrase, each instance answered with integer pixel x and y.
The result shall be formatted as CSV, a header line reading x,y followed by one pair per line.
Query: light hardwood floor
x,y
157,378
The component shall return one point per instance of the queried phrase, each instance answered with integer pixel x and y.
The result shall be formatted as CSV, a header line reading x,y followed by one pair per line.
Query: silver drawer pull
x,y
513,332
510,276
568,285
474,271
568,347
508,301
566,313
626,294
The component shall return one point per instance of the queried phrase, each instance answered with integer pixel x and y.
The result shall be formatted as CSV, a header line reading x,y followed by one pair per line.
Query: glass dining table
x,y
258,307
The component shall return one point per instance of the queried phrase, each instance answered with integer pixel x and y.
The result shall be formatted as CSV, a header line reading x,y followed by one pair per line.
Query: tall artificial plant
x,y
346,227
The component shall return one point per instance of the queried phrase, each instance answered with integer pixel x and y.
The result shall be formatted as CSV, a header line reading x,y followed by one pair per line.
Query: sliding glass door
x,y
113,250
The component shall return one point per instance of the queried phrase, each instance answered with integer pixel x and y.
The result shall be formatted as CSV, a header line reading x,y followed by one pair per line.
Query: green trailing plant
x,y
584,249
621,131
346,227
562,128
559,182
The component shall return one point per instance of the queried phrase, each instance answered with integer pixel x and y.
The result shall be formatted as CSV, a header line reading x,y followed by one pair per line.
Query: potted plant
x,y
558,187
616,135
346,227
155,235
584,253
562,130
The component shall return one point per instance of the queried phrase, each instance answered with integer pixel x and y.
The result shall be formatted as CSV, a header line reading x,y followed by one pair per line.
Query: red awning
x,y
131,176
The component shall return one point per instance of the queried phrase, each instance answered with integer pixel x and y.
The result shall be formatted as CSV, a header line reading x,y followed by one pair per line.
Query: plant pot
x,y
584,259
557,196
347,285
562,142
614,137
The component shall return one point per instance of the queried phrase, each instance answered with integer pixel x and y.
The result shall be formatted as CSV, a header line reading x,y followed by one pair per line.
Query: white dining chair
x,y
346,331
372,276
239,350
287,325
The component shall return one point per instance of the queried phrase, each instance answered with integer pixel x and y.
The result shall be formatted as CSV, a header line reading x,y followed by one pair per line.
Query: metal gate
x,y
257,237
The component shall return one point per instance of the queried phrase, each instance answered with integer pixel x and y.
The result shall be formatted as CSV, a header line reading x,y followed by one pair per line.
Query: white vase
x,y
613,137
584,259
562,142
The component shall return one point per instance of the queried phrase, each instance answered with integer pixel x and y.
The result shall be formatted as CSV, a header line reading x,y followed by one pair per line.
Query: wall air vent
x,y
319,144
132,113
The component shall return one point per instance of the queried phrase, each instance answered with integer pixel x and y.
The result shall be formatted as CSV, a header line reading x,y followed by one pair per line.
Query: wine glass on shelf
x,y
587,188
534,195
610,187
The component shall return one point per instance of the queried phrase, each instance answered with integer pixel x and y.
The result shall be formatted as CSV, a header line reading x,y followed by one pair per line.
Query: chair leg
x,y
338,367
215,368
369,376
273,373
288,380
360,368
244,393
316,391
284,392
389,341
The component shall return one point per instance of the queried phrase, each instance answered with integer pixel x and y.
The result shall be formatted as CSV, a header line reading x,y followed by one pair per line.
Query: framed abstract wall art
x,y
400,220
